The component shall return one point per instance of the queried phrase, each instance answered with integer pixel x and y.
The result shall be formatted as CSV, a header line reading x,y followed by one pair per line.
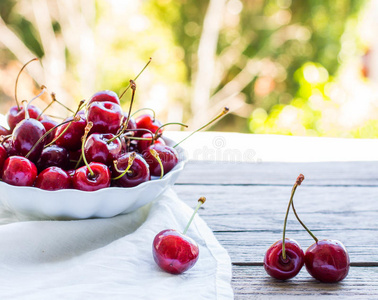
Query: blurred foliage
x,y
298,47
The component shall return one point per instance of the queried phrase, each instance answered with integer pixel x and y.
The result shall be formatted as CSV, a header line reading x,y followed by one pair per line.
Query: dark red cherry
x,y
54,156
137,174
49,124
168,157
174,252
142,145
75,156
71,138
52,179
327,261
147,122
3,156
105,116
4,131
9,147
85,181
25,135
97,148
105,96
20,171
280,268
15,115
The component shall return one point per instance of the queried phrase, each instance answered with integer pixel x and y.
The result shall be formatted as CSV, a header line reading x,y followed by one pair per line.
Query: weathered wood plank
x,y
254,283
248,219
323,173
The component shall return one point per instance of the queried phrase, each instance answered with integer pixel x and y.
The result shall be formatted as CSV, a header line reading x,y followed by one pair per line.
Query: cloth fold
x,y
108,258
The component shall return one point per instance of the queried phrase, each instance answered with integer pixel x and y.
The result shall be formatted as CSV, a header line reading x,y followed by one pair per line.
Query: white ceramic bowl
x,y
75,204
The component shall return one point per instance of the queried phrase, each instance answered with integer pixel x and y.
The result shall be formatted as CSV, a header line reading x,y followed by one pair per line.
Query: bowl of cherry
x,y
98,162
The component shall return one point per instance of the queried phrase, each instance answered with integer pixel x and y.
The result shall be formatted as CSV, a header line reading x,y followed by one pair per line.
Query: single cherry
x,y
168,157
174,252
284,259
15,115
69,135
98,148
147,121
105,96
20,171
105,116
53,156
130,169
325,260
52,179
93,176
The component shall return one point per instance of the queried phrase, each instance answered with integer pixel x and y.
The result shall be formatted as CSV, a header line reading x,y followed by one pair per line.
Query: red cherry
x,y
146,121
167,155
16,115
53,156
85,181
52,179
20,171
327,261
105,96
98,148
137,173
174,252
71,138
9,147
3,156
278,267
25,135
105,116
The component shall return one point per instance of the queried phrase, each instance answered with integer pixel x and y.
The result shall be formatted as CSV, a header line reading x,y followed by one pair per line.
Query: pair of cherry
x,y
325,260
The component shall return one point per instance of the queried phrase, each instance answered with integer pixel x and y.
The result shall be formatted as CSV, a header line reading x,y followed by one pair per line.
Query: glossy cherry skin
x,y
142,145
54,156
4,131
3,156
52,179
98,149
147,122
49,124
327,261
279,268
15,116
139,171
71,138
82,179
9,147
174,252
25,135
20,171
105,96
105,116
168,157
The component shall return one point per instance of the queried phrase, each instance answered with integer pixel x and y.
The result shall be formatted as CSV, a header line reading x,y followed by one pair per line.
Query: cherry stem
x,y
87,129
44,89
136,78
145,108
129,164
47,133
224,112
156,155
52,102
65,129
200,202
124,126
79,161
25,104
18,76
172,123
303,225
298,182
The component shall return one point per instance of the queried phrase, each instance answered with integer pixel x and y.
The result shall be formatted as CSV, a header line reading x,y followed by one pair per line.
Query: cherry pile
x,y
98,146
325,260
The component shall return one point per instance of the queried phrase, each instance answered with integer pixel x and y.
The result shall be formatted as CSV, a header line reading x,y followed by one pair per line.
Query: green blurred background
x,y
293,67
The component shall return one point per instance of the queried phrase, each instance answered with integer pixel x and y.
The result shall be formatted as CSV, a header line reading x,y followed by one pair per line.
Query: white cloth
x,y
108,258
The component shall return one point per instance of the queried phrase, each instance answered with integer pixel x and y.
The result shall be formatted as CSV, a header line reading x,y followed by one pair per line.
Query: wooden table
x,y
246,208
